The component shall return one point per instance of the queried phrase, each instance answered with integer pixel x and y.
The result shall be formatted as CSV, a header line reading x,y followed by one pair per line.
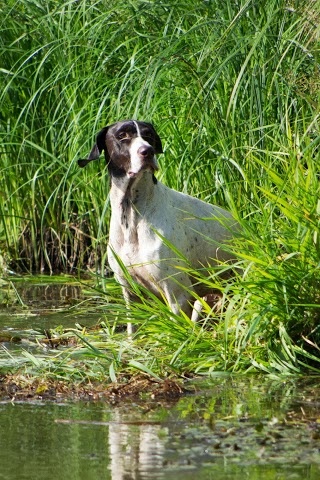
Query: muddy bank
x,y
21,388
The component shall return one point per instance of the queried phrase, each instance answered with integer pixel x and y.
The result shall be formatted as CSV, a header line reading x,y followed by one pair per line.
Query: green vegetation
x,y
233,89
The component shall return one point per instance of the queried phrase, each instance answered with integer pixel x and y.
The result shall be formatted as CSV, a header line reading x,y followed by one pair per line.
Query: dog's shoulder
x,y
183,203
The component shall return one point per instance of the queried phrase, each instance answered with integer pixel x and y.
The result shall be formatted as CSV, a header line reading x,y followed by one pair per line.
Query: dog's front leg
x,y
129,297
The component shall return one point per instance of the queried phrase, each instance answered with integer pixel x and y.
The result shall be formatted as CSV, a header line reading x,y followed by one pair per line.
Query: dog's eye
x,y
122,136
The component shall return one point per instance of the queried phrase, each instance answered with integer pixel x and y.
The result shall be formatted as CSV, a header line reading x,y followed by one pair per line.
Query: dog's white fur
x,y
144,212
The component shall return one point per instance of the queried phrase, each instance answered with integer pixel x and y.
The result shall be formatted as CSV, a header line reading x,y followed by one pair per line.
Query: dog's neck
x,y
131,196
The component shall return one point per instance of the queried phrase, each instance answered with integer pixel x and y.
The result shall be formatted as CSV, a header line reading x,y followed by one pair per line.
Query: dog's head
x,y
129,147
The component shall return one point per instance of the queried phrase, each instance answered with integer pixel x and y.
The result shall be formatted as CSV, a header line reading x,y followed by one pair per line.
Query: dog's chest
x,y
135,244
133,241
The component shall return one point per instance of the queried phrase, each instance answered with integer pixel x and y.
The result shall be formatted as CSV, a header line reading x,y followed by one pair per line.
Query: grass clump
x,y
233,89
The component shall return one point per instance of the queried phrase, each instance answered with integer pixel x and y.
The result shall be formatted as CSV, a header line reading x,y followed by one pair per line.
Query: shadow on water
x,y
244,427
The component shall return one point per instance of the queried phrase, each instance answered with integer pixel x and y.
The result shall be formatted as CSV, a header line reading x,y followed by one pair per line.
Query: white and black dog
x,y
150,222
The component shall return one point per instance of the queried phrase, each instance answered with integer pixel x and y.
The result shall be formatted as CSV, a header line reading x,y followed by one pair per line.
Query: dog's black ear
x,y
158,144
96,149
157,141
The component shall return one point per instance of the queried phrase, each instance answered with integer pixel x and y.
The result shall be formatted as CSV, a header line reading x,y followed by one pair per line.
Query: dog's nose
x,y
146,151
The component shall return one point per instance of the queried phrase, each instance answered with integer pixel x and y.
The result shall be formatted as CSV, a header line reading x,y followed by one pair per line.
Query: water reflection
x,y
46,302
235,428
136,451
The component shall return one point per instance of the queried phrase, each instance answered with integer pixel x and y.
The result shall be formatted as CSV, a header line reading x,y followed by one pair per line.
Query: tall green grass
x,y
233,89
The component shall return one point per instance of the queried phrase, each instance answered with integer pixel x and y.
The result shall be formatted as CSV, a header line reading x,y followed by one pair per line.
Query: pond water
x,y
38,303
243,427
233,428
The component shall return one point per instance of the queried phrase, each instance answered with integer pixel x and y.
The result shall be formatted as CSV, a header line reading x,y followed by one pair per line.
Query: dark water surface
x,y
243,427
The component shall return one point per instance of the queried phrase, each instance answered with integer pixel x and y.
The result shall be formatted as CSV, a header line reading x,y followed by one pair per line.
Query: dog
x,y
156,232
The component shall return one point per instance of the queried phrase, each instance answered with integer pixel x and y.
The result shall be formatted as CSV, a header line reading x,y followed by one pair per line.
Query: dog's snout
x,y
146,151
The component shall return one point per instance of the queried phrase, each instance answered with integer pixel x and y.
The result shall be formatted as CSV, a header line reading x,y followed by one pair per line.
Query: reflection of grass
x,y
231,423
233,92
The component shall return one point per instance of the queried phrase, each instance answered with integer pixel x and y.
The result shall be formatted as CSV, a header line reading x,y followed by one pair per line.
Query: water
x,y
233,428
37,303
250,427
